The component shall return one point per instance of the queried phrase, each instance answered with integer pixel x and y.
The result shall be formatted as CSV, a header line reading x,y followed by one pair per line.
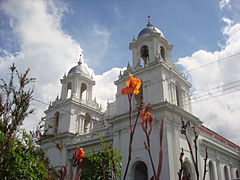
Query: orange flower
x,y
133,85
147,118
78,155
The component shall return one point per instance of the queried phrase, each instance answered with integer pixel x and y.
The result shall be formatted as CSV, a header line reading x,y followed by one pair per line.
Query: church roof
x,y
80,69
150,29
219,138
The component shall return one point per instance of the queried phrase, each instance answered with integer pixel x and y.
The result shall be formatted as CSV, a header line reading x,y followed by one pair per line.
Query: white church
x,y
77,118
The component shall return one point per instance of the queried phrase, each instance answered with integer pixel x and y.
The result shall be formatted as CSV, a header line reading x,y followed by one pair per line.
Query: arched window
x,y
87,123
56,122
211,171
145,54
226,173
83,93
177,96
237,174
162,53
69,90
140,171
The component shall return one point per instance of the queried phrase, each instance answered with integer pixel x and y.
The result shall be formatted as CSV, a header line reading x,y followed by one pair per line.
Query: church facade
x,y
76,118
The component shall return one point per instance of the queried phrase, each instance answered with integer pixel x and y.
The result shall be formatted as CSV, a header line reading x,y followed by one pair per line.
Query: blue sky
x,y
48,36
105,28
188,25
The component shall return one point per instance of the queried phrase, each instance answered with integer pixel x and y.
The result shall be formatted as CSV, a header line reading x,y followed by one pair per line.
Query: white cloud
x,y
221,113
224,3
49,52
229,22
105,89
45,49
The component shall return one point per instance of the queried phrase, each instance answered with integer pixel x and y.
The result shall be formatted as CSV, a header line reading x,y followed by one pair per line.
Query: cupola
x,y
80,69
150,29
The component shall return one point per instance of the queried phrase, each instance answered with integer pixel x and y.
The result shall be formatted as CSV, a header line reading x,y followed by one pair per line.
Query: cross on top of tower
x,y
149,24
80,60
149,19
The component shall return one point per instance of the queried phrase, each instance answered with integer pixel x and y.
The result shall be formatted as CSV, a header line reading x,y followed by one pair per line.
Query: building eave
x,y
217,147
163,106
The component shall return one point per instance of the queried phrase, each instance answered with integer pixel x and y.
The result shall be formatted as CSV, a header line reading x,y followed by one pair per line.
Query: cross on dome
x,y
149,29
80,60
149,24
80,68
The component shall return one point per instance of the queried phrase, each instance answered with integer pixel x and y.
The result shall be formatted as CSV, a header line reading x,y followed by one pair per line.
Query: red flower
x,y
133,85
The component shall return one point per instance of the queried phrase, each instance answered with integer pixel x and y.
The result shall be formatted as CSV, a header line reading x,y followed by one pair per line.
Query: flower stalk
x,y
132,87
160,162
194,155
147,125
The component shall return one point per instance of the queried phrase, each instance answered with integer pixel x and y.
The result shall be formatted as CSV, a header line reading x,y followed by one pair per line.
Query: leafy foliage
x,y
23,160
104,164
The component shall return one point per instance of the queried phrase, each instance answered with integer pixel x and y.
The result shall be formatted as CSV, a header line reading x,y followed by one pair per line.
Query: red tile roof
x,y
219,138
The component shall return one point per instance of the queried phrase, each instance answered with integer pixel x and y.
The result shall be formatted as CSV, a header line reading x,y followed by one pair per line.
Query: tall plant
x,y
133,87
147,125
193,152
19,157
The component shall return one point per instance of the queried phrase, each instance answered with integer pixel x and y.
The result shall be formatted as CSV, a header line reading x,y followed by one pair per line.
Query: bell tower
x,y
75,111
152,63
150,48
77,85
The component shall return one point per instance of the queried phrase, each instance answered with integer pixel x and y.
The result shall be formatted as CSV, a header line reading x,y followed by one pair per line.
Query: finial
x,y
128,66
149,19
80,60
149,22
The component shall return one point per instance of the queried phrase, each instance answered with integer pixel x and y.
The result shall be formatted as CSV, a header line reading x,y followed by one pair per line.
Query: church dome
x,y
150,29
80,69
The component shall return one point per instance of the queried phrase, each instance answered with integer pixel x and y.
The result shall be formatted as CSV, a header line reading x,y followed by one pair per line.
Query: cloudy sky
x,y
48,36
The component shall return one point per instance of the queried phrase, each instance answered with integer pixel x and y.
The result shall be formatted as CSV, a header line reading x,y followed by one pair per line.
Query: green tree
x,y
20,158
104,164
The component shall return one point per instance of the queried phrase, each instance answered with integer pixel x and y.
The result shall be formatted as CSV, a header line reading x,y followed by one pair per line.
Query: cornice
x,y
63,103
217,147
154,65
160,107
